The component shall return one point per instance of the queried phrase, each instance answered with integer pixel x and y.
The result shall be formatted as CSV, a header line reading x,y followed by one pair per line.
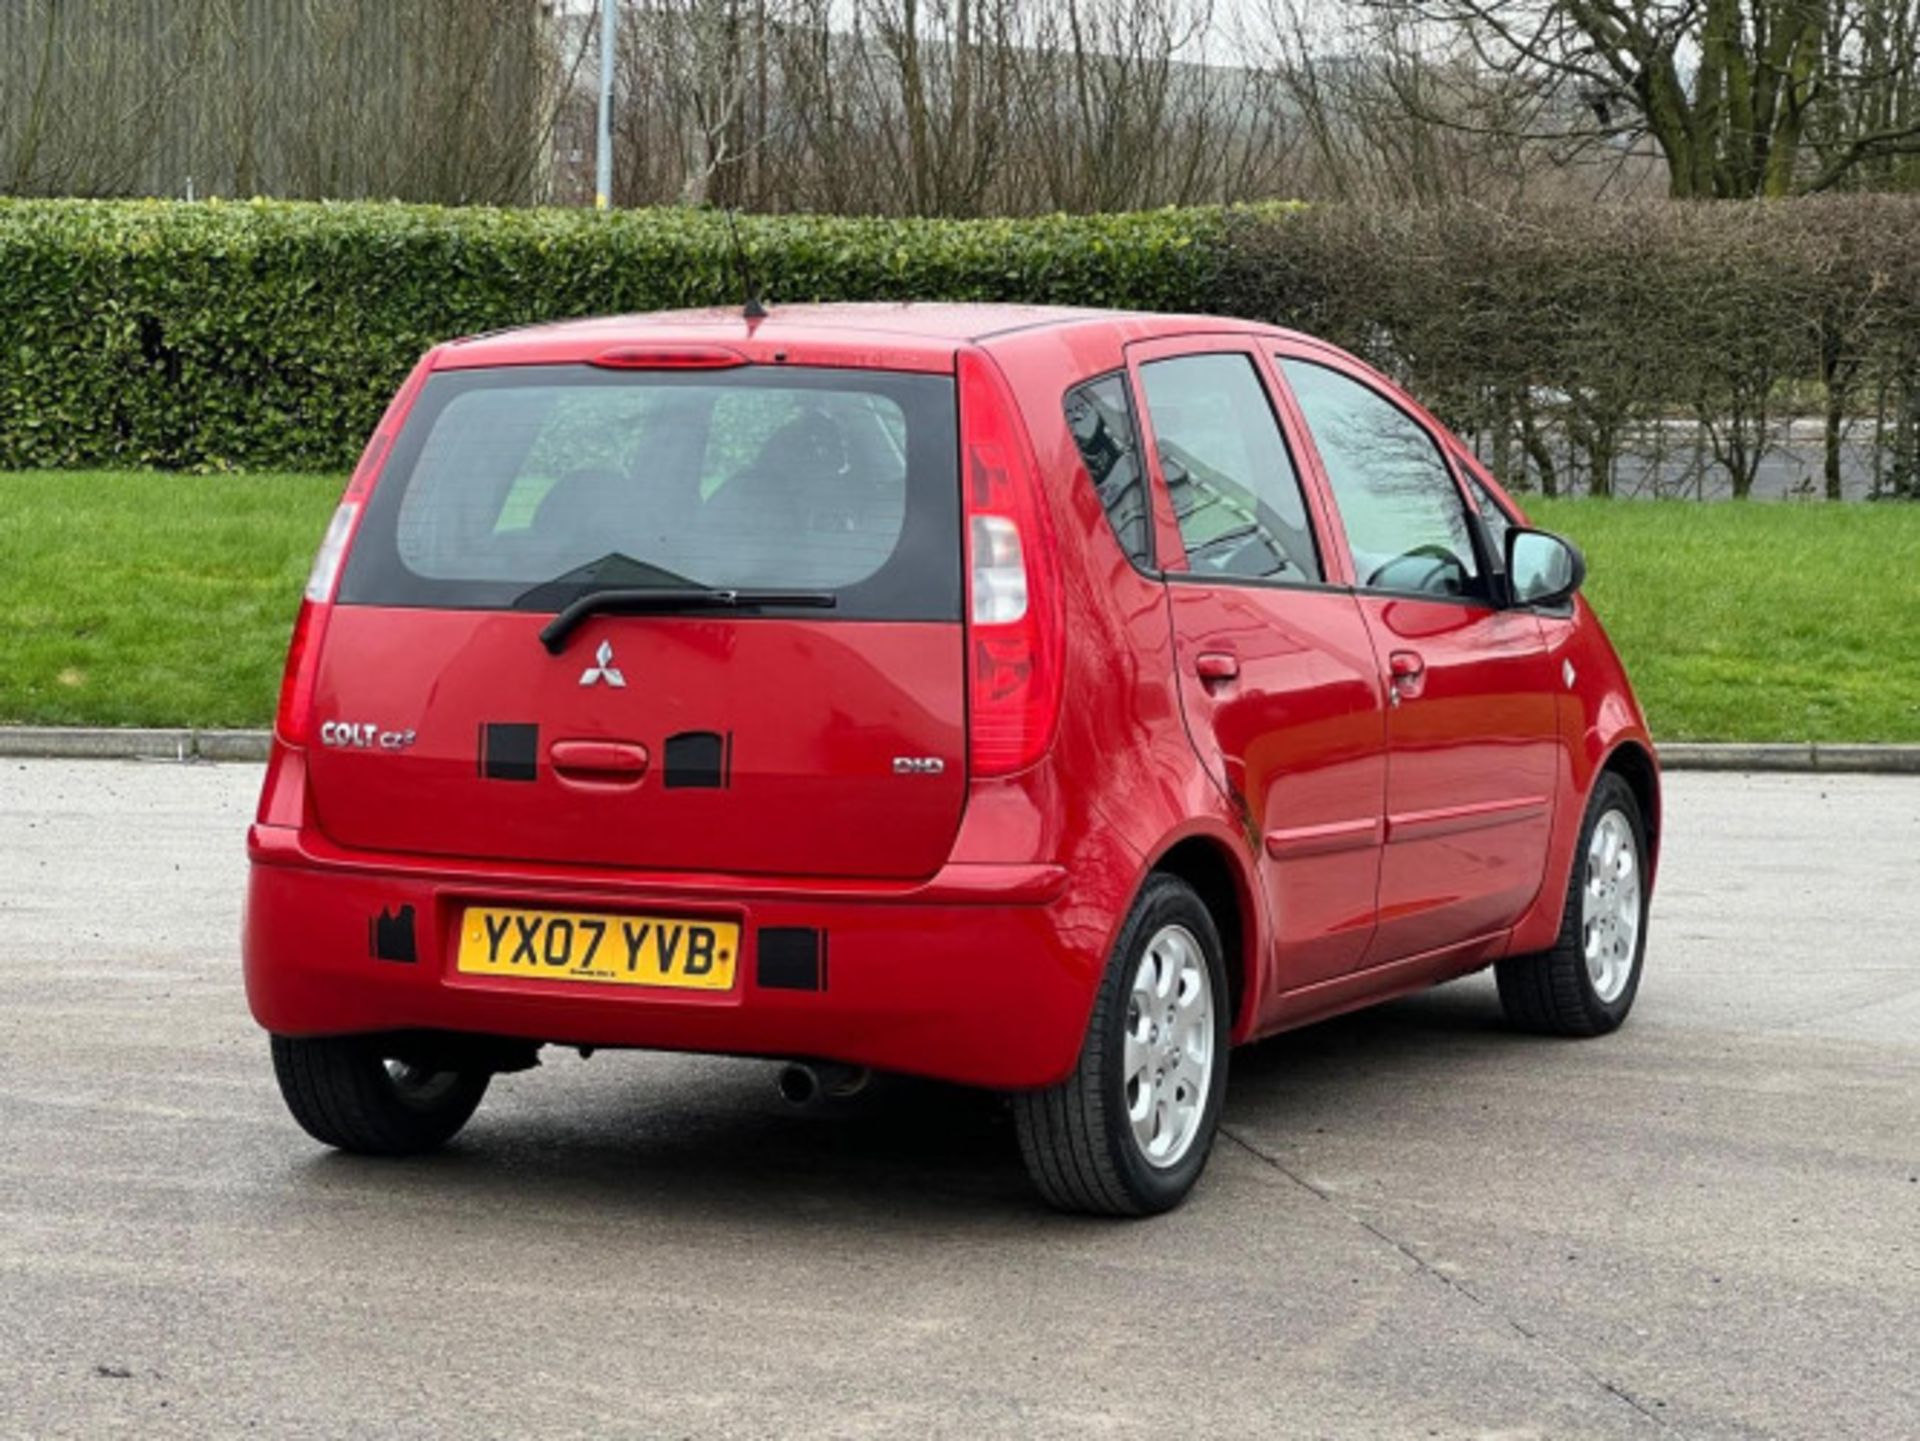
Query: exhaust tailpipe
x,y
802,1082
798,1084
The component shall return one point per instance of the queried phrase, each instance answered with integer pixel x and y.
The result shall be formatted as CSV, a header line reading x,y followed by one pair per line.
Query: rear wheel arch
x,y
1207,865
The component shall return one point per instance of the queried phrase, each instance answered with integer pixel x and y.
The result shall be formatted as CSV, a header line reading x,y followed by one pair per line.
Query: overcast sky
x,y
1224,40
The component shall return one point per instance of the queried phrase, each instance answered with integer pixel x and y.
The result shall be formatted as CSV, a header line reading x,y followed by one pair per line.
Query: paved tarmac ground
x,y
1417,1223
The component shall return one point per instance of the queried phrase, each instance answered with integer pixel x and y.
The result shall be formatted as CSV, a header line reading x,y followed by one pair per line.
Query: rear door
x,y
1277,679
790,740
1471,725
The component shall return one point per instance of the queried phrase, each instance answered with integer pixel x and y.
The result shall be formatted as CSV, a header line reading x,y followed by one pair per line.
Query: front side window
x,y
1102,426
1232,484
1406,524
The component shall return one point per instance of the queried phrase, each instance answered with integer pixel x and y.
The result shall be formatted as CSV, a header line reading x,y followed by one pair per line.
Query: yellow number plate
x,y
613,950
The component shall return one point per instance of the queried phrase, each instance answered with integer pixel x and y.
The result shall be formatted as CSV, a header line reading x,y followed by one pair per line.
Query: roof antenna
x,y
753,309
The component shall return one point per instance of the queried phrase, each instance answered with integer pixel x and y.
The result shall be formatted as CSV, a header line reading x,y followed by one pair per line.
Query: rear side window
x,y
1406,524
524,487
1232,484
1102,426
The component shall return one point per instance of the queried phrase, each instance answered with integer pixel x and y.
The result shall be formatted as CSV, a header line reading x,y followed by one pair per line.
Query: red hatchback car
x,y
1037,699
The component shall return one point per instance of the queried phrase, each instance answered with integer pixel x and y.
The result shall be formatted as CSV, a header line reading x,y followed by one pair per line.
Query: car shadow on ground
x,y
1427,1028
712,1136
679,1133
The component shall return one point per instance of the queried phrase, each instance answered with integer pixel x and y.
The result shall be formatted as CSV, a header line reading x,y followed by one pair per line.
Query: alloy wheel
x,y
1167,1064
1610,908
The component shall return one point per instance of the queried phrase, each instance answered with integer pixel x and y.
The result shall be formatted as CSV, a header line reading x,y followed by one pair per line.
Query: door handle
x,y
606,763
1216,667
1406,673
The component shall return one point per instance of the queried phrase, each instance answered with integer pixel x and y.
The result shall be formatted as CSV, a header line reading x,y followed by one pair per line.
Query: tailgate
x,y
825,740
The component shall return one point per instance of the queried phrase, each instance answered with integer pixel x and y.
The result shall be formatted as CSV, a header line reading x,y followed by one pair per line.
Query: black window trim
x,y
1251,582
1470,483
1251,351
1472,489
1560,610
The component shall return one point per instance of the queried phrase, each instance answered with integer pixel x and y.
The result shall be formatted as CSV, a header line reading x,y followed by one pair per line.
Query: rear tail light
x,y
1014,623
999,579
293,720
325,574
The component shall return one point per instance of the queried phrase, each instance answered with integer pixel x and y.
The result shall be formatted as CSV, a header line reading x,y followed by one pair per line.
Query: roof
x,y
910,334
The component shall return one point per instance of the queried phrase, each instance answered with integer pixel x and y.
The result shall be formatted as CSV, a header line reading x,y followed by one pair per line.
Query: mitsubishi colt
x,y
1042,700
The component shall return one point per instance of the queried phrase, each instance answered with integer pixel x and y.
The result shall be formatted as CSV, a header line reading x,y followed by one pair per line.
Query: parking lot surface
x,y
1417,1223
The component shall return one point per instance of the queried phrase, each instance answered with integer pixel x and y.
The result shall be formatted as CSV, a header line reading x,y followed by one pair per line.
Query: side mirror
x,y
1542,569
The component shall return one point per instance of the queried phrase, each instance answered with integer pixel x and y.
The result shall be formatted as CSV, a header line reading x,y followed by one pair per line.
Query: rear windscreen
x,y
525,487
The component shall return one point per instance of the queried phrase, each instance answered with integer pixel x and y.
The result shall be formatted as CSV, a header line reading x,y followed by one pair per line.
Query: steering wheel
x,y
1430,568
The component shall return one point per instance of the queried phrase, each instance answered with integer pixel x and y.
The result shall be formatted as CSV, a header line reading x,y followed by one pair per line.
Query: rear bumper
x,y
983,975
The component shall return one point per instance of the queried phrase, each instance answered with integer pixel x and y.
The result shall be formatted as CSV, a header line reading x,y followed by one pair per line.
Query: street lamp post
x,y
603,162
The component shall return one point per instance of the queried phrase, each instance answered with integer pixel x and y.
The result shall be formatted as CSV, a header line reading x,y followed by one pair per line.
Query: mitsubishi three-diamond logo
x,y
603,669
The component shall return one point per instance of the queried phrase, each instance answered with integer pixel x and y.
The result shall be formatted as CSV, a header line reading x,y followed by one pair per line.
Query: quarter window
x,y
1494,519
1232,484
1102,426
1405,521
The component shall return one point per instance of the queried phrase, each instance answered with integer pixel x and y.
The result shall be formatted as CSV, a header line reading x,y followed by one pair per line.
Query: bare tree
x,y
684,78
1741,97
940,107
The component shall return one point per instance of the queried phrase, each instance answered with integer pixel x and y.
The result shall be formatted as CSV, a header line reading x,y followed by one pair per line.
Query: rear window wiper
x,y
667,599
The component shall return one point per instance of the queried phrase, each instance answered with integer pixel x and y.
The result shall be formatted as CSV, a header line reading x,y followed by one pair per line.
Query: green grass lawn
x,y
142,599
148,599
1761,622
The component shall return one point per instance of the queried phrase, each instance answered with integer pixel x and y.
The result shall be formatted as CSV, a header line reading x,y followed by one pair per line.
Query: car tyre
x,y
1107,1142
1585,985
345,1093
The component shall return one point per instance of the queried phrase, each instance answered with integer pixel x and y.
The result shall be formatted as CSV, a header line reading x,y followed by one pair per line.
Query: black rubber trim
x,y
509,751
697,760
792,958
390,936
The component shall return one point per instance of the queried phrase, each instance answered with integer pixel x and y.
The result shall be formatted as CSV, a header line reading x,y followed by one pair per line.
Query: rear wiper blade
x,y
613,571
661,598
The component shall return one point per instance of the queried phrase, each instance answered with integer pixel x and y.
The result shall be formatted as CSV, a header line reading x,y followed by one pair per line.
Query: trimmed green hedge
x,y
1563,338
269,335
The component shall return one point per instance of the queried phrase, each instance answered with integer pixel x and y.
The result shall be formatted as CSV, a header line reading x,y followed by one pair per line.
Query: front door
x,y
1471,725
1278,682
